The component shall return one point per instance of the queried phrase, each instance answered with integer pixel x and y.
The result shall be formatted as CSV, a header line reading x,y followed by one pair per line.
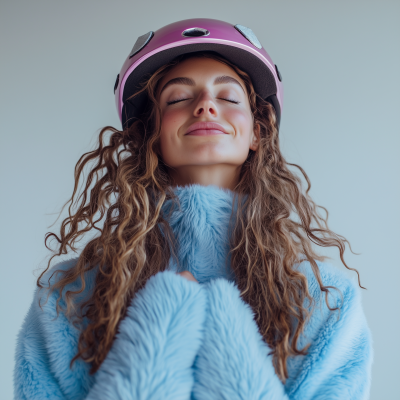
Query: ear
x,y
255,137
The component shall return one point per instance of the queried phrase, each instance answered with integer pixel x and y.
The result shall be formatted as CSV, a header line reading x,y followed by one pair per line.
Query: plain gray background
x,y
340,62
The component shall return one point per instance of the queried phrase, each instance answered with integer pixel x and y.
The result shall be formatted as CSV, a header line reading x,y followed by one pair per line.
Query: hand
x,y
188,275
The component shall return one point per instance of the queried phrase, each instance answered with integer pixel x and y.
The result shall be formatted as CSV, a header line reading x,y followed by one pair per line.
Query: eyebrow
x,y
190,82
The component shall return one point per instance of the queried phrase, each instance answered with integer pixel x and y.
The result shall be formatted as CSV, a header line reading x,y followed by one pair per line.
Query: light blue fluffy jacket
x,y
184,340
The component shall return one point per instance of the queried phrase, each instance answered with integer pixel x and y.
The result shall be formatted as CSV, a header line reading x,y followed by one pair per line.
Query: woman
x,y
203,281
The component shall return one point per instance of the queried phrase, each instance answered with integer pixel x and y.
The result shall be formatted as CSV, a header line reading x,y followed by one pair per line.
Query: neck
x,y
222,175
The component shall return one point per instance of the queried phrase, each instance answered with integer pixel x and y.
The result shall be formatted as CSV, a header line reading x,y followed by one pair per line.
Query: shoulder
x,y
343,288
49,307
345,312
53,275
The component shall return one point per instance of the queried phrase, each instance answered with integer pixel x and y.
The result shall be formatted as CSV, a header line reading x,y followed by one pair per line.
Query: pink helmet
x,y
236,43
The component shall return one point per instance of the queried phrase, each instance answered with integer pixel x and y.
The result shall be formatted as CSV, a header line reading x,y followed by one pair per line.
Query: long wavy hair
x,y
127,183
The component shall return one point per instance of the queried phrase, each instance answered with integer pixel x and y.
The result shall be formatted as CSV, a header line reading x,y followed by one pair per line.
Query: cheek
x,y
170,121
242,121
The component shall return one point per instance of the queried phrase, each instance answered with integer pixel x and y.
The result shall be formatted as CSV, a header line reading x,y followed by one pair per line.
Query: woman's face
x,y
207,126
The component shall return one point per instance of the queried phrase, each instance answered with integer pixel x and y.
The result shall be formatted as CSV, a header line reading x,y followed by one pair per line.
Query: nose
x,y
205,106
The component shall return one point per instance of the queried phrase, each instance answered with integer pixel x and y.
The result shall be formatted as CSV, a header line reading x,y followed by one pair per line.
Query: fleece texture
x,y
188,340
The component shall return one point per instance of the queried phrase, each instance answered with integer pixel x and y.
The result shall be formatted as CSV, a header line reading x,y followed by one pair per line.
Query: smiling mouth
x,y
205,129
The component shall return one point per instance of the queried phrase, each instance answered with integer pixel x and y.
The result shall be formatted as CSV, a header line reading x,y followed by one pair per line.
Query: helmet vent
x,y
195,32
249,35
116,83
141,42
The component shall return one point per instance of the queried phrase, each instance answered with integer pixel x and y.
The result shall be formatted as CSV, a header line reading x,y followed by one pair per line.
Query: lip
x,y
205,128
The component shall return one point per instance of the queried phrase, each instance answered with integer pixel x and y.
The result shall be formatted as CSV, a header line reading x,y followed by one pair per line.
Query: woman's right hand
x,y
188,275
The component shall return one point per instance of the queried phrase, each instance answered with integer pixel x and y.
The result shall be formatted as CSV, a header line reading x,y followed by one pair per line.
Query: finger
x,y
188,275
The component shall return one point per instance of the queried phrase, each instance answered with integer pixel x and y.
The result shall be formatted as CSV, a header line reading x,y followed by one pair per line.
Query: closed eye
x,y
179,100
175,101
231,101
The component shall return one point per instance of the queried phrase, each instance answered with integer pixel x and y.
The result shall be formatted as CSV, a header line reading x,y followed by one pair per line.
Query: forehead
x,y
200,69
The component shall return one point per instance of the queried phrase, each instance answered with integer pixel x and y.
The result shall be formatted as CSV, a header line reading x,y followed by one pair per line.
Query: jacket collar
x,y
202,228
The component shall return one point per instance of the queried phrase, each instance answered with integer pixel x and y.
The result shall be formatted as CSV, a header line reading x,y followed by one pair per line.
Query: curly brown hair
x,y
275,228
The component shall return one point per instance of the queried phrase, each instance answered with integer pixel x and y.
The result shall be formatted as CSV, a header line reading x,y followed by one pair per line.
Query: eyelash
x,y
177,101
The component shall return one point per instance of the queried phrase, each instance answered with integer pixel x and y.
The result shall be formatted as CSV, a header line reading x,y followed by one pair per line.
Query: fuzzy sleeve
x,y
234,362
339,361
151,356
155,349
33,377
